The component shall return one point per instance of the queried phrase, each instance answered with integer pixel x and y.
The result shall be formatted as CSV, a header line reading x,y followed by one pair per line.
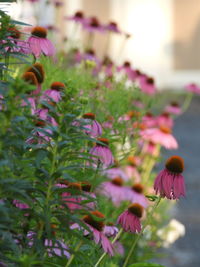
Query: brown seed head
x,y
38,70
165,129
89,116
99,225
30,78
14,32
175,164
85,186
136,209
117,181
103,140
58,86
40,32
74,186
139,188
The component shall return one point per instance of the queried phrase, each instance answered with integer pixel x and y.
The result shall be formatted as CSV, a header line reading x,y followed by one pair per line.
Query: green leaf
x,y
145,264
152,197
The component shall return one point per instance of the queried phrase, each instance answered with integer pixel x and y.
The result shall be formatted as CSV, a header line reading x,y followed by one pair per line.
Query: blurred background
x,y
161,37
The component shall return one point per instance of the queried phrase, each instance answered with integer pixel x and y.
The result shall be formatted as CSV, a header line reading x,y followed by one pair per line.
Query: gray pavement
x,y
185,252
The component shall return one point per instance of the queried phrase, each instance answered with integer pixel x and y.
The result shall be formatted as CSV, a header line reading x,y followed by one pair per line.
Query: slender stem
x,y
113,241
73,255
142,231
187,102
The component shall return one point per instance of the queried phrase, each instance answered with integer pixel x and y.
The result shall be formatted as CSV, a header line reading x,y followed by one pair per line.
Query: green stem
x,y
142,231
73,255
187,102
113,241
50,184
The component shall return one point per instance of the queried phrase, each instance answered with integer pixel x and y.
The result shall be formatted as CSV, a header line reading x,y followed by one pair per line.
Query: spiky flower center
x,y
117,181
74,186
38,70
40,32
127,64
175,164
94,22
58,86
104,141
85,186
40,123
165,114
79,14
89,116
136,209
132,161
174,104
165,129
30,78
138,188
90,219
133,113
150,80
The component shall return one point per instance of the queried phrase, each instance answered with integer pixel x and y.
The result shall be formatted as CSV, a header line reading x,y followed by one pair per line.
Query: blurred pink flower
x,y
160,136
110,230
93,127
147,85
102,153
112,27
113,190
173,108
78,17
169,182
96,227
165,119
39,44
54,93
135,195
116,172
193,88
92,24
130,219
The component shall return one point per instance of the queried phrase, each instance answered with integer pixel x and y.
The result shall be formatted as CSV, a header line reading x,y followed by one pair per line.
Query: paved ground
x,y
185,252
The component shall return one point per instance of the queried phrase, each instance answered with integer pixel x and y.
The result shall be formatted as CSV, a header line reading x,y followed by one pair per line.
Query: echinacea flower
x,y
173,108
130,219
102,153
135,195
131,168
93,126
54,93
113,190
42,114
78,17
169,182
20,205
149,120
92,24
193,88
161,136
39,44
165,119
112,27
116,172
94,221
72,199
147,85
40,135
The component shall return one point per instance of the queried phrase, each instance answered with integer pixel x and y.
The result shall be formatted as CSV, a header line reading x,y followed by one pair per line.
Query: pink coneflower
x,y
170,182
149,148
130,219
173,108
96,227
78,17
88,195
92,24
39,135
102,153
54,93
165,119
160,136
149,120
72,200
39,44
93,126
193,88
112,27
42,114
147,85
135,195
113,190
